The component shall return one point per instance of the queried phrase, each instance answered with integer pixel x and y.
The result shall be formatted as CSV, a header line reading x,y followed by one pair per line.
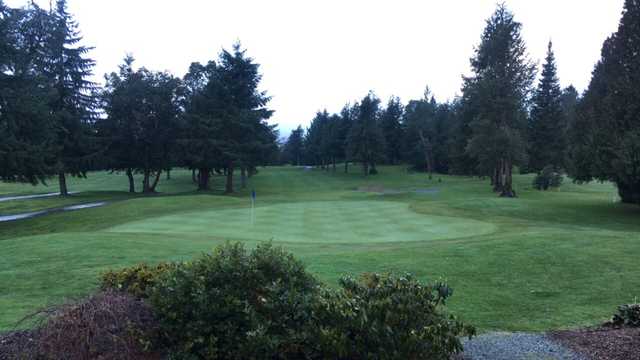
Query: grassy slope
x,y
551,260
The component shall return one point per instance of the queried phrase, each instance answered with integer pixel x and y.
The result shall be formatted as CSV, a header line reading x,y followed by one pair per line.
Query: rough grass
x,y
546,260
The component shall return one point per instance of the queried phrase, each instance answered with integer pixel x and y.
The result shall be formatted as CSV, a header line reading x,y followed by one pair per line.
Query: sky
x,y
322,54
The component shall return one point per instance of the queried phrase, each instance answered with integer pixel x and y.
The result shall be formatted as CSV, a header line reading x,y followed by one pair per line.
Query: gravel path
x,y
516,346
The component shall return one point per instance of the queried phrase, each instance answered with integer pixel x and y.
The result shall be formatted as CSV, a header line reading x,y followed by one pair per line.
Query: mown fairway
x,y
544,260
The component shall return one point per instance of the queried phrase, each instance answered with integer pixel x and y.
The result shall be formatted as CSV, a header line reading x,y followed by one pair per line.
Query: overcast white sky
x,y
321,54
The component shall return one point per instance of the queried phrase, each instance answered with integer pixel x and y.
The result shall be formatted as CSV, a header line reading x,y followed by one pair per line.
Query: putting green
x,y
316,222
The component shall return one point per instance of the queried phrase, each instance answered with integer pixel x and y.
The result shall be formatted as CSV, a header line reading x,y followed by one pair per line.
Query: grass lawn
x,y
545,260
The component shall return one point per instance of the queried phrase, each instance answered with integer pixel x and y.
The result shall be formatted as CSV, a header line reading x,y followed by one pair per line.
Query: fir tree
x,y
547,125
141,123
498,95
225,123
25,128
420,121
392,128
72,104
366,142
294,147
605,138
198,139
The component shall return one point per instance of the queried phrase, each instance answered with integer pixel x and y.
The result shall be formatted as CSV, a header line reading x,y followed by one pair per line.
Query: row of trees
x,y
501,120
55,122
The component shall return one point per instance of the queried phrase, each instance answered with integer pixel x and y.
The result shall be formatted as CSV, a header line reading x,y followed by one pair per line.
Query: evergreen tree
x,y
315,143
348,114
141,123
391,125
548,123
199,136
366,142
498,93
605,137
294,147
421,124
25,129
72,104
225,123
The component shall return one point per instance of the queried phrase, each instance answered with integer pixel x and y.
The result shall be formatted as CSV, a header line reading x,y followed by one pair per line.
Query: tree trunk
x,y
507,180
146,188
193,176
243,177
427,154
155,182
229,185
132,184
346,166
62,180
498,177
334,164
365,166
168,174
203,179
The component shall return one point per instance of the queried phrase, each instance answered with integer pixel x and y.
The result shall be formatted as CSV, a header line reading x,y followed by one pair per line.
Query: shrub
x,y
234,305
549,177
262,304
107,325
387,317
628,315
136,280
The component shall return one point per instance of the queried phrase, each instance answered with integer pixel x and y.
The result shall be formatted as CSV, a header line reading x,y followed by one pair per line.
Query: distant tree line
x,y
55,122
501,121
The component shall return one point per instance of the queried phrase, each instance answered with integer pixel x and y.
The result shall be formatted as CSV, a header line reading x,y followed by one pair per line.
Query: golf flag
x,y
253,195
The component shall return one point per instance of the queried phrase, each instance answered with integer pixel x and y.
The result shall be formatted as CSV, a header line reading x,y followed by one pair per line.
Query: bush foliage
x,y
237,304
628,315
136,280
548,178
388,317
233,304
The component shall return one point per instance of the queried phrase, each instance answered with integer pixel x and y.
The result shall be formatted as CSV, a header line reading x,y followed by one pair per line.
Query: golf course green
x,y
544,260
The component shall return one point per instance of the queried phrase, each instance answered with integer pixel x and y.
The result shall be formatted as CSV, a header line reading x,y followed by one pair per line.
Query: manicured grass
x,y
542,261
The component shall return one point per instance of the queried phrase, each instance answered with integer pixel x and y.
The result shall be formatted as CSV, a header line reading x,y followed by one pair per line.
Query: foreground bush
x,y
388,317
233,304
104,326
262,304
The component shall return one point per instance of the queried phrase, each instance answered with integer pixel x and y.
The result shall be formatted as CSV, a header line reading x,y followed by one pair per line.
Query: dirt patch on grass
x,y
380,190
602,343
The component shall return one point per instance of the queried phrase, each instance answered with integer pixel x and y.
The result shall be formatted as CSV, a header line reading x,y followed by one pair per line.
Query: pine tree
x,y
605,137
420,121
25,127
198,138
366,142
294,147
498,95
315,143
141,123
72,104
548,123
392,129
348,114
226,114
